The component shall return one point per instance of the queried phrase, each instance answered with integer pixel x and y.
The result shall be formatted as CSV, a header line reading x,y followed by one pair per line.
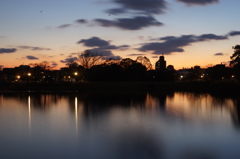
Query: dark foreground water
x,y
119,126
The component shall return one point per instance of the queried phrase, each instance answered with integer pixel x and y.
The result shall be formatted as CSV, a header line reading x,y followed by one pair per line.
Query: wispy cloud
x,y
198,2
33,48
218,54
2,37
170,44
136,54
7,50
64,26
143,6
31,57
234,33
81,21
69,59
135,23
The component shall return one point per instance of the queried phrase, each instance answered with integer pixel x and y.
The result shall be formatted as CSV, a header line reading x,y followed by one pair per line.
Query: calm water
x,y
119,126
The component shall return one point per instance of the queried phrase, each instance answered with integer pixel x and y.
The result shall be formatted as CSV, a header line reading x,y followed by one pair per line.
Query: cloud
x,y
68,59
54,64
147,6
135,23
31,57
103,47
82,21
33,48
94,41
234,33
205,37
2,37
218,54
102,52
64,26
172,44
198,2
116,11
136,54
8,50
154,56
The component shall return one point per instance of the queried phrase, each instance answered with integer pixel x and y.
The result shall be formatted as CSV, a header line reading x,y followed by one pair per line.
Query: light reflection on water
x,y
115,126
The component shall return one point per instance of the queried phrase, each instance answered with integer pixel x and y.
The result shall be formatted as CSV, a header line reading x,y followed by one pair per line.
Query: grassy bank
x,y
121,86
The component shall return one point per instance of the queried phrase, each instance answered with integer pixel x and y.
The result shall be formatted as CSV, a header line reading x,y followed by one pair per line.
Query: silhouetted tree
x,y
44,65
236,56
145,62
235,61
88,59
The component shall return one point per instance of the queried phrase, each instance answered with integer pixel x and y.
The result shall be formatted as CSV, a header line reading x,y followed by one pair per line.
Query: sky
x,y
186,32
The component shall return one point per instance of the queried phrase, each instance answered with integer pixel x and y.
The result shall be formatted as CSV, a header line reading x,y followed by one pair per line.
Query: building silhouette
x,y
160,64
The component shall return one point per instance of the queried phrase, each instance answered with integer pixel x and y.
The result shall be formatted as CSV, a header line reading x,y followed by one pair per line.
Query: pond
x,y
165,125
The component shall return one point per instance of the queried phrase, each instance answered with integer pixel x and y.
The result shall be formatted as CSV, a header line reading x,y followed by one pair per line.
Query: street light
x,y
75,73
18,77
29,74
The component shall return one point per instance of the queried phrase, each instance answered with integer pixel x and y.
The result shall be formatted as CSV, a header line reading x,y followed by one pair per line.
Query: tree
x,y
235,58
44,65
145,62
88,59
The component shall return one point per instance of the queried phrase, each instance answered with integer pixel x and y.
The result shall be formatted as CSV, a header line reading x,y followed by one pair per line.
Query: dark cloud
x,y
116,11
8,50
33,48
205,37
198,2
135,23
64,26
112,58
136,54
31,57
94,41
147,6
54,64
172,44
102,52
68,59
154,56
81,21
103,47
113,47
234,33
218,54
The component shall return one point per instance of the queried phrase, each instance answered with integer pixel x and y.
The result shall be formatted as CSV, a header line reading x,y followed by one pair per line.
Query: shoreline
x,y
87,87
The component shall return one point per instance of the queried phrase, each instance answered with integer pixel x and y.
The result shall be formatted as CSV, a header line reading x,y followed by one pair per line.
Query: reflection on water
x,y
168,125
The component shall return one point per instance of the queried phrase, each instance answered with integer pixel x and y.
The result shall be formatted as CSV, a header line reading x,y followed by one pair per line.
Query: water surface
x,y
116,126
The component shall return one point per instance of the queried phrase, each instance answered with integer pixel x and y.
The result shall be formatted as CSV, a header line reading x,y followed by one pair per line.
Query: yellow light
x,y
75,73
69,76
181,76
202,76
29,74
18,77
232,76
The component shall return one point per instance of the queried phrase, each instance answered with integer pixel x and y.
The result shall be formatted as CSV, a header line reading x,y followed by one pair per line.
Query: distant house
x,y
160,64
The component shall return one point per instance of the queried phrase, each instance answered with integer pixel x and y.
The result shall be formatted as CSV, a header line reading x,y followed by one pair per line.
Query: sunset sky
x,y
187,32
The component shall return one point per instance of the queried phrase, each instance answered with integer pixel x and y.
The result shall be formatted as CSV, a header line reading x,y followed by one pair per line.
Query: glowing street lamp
x,y
18,77
29,74
75,73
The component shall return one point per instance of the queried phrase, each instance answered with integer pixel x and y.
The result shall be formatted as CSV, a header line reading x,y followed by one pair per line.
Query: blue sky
x,y
187,32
